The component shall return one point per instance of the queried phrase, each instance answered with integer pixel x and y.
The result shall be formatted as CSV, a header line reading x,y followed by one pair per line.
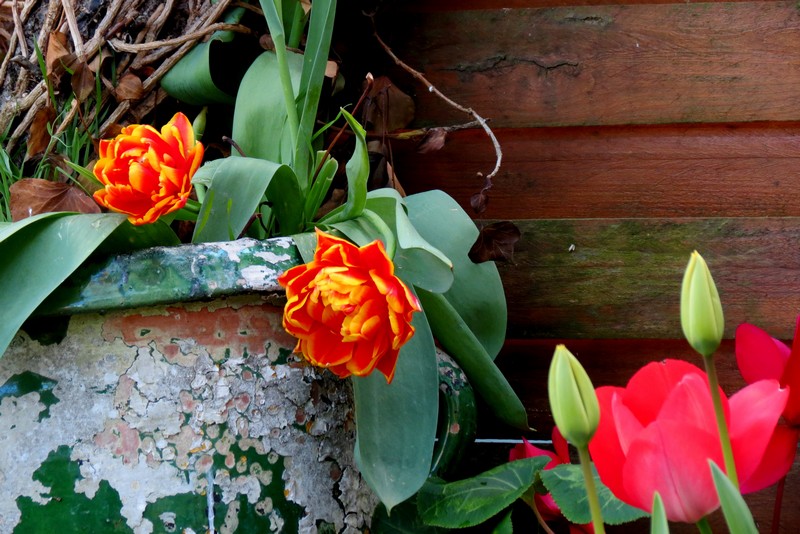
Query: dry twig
x,y
431,88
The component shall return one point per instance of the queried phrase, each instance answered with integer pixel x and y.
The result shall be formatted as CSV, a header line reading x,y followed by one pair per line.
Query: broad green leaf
x,y
237,187
734,508
315,59
421,263
565,483
504,526
38,254
306,244
260,119
470,502
286,200
404,520
458,340
367,228
658,519
477,291
191,80
396,423
357,170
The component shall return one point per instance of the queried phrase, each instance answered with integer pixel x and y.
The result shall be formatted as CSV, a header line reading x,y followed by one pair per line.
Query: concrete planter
x,y
159,412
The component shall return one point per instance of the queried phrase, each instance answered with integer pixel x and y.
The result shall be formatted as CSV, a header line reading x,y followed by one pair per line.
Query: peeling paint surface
x,y
148,415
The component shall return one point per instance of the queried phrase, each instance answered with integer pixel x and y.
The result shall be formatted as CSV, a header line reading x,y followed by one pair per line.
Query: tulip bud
x,y
572,398
701,310
199,124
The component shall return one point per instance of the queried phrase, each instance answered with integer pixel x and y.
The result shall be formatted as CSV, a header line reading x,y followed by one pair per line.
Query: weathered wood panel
x,y
605,278
662,171
608,64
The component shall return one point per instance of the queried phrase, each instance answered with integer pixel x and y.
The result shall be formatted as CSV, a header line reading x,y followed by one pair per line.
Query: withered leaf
x,y
129,88
32,196
39,136
57,55
387,108
479,201
495,242
434,140
82,81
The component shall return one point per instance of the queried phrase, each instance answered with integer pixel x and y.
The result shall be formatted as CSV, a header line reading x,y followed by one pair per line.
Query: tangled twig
x,y
432,89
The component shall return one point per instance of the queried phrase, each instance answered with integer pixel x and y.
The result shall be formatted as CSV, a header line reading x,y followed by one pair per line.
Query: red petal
x,y
690,403
672,458
759,355
560,445
776,462
791,378
605,447
649,387
755,411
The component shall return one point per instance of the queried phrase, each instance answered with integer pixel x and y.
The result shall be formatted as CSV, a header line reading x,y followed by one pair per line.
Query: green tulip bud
x,y
199,124
701,310
573,401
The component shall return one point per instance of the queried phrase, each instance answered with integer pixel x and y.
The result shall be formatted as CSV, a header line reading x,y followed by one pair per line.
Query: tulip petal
x,y
649,387
690,402
791,378
605,447
759,355
560,446
755,411
777,460
672,459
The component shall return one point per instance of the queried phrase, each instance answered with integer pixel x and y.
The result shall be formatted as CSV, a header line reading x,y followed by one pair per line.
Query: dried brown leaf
x,y
39,136
57,54
32,196
434,140
495,242
83,82
387,108
129,88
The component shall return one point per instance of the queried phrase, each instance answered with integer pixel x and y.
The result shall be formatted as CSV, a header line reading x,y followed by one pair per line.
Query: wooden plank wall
x,y
632,132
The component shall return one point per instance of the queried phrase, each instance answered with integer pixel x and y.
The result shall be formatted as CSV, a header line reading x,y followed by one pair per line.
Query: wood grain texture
x,y
607,64
638,171
620,278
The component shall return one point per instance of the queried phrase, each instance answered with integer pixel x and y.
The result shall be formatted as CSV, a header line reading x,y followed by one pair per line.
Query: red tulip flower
x,y
761,356
658,433
545,504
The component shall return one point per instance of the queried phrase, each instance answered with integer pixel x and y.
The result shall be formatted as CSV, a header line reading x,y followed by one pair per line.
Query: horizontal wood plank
x,y
620,278
606,64
661,171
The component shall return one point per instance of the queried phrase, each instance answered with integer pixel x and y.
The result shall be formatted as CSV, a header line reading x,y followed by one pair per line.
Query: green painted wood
x,y
164,275
620,278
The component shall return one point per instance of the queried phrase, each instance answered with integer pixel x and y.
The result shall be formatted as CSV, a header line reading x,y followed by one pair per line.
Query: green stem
x,y
591,491
724,436
703,526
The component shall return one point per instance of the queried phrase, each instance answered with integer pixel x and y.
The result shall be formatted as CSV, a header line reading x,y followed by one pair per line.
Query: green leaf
x,y
37,254
287,201
190,79
315,59
477,291
404,520
236,188
565,484
734,508
396,423
504,526
306,245
367,228
357,170
319,189
260,120
458,340
658,520
470,502
422,264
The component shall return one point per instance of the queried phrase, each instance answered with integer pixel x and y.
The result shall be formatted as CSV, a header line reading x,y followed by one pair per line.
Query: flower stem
x,y
591,490
703,526
724,436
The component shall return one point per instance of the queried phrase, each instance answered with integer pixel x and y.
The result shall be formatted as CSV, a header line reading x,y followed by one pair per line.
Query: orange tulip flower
x,y
147,173
348,310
